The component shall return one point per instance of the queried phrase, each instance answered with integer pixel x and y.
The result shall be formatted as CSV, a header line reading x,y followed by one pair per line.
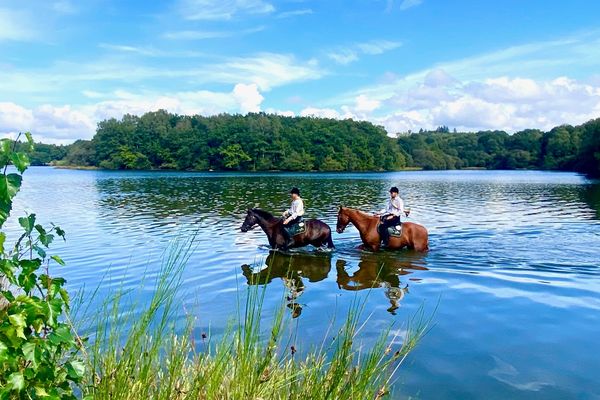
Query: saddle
x,y
392,230
295,229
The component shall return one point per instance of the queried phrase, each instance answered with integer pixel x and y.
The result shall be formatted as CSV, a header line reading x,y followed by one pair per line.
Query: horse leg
x,y
330,241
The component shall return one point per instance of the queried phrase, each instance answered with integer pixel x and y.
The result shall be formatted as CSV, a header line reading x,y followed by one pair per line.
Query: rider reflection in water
x,y
294,214
390,216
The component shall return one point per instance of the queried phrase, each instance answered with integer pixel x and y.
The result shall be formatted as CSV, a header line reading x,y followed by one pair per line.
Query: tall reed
x,y
144,355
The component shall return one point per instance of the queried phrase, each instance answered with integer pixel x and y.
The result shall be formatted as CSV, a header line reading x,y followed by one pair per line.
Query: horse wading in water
x,y
414,236
316,232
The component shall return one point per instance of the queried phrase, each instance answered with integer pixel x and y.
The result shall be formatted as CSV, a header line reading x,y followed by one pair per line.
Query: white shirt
x,y
296,209
395,206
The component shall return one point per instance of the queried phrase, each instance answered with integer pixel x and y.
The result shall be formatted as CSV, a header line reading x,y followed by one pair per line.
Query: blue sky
x,y
403,64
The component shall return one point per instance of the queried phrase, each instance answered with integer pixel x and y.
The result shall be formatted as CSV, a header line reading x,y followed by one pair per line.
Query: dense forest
x,y
261,142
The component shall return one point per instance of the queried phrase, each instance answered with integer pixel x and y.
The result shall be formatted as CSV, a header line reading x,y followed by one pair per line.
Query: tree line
x,y
263,142
565,148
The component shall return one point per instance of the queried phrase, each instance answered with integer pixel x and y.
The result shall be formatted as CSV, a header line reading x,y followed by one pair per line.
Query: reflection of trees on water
x,y
375,270
590,194
165,195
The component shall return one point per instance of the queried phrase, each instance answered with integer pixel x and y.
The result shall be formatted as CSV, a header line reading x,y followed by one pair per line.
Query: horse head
x,y
250,221
343,220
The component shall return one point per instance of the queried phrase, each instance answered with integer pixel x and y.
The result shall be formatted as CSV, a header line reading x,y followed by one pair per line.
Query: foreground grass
x,y
152,361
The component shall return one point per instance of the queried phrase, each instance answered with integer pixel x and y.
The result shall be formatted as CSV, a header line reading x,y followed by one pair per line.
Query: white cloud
x,y
366,105
202,35
248,97
346,55
267,70
47,85
285,113
222,9
14,118
319,112
295,13
343,56
64,124
375,47
406,4
505,103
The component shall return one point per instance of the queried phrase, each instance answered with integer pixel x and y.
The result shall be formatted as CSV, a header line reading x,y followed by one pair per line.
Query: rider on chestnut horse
x,y
390,216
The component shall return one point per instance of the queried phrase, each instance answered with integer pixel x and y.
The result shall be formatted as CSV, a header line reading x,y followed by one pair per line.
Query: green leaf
x,y
20,161
3,349
7,268
62,334
27,281
32,353
16,381
75,369
27,223
41,252
58,260
40,391
52,310
28,266
60,232
6,146
18,321
9,186
2,240
30,140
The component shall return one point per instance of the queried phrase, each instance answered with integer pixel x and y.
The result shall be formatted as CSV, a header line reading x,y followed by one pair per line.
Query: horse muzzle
x,y
340,230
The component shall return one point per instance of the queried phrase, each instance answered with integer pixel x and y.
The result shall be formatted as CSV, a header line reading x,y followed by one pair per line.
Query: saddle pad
x,y
296,229
395,230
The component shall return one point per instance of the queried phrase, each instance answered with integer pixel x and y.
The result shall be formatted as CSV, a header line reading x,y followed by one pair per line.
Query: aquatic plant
x,y
155,358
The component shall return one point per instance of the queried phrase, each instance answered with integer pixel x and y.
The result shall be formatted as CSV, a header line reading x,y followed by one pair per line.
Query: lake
x,y
512,278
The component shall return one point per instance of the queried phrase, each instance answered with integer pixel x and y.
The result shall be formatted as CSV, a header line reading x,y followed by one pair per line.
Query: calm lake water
x,y
513,274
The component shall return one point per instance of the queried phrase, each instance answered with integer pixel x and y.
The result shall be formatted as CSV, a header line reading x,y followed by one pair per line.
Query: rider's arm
x,y
397,207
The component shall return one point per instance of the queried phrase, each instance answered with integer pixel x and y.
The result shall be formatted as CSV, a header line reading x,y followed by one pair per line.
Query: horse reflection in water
x,y
379,271
291,268
375,270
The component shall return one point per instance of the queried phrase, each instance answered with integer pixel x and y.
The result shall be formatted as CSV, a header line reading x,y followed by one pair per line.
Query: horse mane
x,y
366,214
262,213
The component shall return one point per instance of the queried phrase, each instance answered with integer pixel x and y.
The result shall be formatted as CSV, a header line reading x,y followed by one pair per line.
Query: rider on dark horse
x,y
294,214
390,216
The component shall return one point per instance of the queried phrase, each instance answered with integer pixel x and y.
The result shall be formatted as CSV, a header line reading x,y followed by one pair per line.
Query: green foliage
x,y
562,148
38,350
253,142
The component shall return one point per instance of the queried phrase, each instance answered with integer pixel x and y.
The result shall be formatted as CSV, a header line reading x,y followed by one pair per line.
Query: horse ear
x,y
340,207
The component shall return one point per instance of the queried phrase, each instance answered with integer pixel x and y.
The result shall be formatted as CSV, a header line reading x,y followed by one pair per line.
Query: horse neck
x,y
266,224
359,219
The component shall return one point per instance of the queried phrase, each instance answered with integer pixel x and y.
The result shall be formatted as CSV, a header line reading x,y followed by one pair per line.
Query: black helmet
x,y
394,189
295,190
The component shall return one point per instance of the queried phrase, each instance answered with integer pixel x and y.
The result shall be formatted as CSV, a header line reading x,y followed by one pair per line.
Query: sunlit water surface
x,y
512,278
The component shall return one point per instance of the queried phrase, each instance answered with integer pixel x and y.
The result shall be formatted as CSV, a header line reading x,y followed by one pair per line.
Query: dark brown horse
x,y
317,232
414,236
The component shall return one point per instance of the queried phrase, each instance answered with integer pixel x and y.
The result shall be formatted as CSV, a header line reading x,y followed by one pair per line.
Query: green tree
x,y
234,156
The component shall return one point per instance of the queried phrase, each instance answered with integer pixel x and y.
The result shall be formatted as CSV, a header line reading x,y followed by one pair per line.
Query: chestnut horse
x,y
414,236
317,232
